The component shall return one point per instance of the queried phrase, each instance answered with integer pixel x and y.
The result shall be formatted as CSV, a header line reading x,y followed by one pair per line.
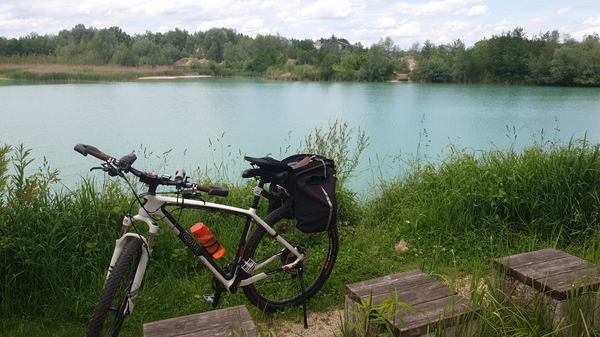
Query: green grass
x,y
456,216
91,76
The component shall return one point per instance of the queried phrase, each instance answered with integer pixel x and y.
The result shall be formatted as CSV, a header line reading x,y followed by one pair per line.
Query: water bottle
x,y
208,240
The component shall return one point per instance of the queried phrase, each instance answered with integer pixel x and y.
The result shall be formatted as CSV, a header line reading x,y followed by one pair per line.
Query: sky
x,y
365,21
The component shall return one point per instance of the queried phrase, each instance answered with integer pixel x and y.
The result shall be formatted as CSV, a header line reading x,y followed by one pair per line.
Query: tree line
x,y
511,57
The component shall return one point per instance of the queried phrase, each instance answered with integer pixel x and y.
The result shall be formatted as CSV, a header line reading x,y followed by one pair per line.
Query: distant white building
x,y
333,41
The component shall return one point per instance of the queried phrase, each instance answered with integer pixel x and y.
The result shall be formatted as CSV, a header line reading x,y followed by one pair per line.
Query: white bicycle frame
x,y
153,209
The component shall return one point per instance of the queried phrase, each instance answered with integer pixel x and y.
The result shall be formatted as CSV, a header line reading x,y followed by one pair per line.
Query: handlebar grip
x,y
213,190
88,149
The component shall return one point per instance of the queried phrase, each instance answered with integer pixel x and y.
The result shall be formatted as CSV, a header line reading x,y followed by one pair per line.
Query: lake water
x,y
210,120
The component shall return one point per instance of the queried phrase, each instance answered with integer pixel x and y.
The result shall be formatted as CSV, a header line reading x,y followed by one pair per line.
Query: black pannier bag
x,y
312,185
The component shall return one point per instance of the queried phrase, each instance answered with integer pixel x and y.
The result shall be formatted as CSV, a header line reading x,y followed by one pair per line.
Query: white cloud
x,y
41,26
385,22
431,8
322,9
229,22
591,21
5,10
585,32
474,11
101,23
564,10
254,27
406,29
406,21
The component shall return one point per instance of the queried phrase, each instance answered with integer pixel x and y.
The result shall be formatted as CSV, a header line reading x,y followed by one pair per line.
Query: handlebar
x,y
88,149
123,165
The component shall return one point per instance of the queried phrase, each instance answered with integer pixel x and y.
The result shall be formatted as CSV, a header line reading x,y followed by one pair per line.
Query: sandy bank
x,y
171,77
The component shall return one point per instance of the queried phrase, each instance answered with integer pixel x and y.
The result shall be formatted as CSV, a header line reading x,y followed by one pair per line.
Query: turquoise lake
x,y
206,120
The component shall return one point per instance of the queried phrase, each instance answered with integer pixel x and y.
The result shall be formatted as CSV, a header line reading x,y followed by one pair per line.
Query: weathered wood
x,y
551,271
222,322
436,304
563,286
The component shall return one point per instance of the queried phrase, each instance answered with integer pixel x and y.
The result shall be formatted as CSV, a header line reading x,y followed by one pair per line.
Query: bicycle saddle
x,y
269,168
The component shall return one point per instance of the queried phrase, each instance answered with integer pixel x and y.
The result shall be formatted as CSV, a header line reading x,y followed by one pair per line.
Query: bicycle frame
x,y
154,207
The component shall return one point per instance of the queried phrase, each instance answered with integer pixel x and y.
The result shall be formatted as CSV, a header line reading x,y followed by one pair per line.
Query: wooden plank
x,y
365,288
542,270
445,312
433,300
222,322
551,271
529,258
381,285
430,291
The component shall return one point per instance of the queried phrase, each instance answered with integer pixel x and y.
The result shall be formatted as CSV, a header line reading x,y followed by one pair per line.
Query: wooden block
x,y
436,305
551,271
563,286
222,322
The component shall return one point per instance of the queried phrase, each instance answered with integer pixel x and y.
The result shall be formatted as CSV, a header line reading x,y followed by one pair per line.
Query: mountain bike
x,y
275,264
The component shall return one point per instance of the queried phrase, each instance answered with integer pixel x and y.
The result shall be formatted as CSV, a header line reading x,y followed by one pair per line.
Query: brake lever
x,y
105,168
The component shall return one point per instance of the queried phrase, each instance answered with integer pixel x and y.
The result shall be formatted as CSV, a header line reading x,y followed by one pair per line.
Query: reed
x,y
83,75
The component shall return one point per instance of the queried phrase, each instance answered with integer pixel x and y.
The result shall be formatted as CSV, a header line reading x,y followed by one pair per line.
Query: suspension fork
x,y
144,258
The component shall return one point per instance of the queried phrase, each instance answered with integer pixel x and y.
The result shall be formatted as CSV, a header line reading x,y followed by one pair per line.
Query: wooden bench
x,y
437,307
563,285
234,321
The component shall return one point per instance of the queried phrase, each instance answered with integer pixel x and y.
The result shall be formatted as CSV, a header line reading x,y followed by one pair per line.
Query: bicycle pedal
x,y
209,298
249,266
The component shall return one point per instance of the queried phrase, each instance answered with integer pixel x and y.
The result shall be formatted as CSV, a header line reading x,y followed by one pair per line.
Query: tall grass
x,y
84,75
547,191
49,241
455,218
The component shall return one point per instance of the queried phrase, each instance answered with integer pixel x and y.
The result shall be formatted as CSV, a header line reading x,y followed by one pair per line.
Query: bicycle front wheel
x,y
284,288
113,305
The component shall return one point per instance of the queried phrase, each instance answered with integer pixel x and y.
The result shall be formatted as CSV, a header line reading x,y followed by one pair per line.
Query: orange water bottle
x,y
208,240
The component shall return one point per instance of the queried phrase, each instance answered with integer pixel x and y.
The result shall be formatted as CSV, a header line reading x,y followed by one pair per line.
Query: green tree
x,y
211,44
3,46
564,67
326,70
80,34
176,38
589,74
433,70
306,57
124,57
236,55
539,67
381,64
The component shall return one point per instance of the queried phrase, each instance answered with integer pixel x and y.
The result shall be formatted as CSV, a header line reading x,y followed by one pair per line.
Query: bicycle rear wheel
x,y
282,289
116,292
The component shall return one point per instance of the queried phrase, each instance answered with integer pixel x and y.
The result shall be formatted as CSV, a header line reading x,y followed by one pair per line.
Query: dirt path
x,y
321,324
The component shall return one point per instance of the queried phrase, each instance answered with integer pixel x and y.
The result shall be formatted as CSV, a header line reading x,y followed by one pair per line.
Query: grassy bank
x,y
57,72
113,73
455,217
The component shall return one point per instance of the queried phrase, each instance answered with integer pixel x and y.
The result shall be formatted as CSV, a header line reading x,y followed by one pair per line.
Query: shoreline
x,y
166,77
53,67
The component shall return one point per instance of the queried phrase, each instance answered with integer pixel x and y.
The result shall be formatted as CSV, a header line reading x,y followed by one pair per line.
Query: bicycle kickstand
x,y
216,298
300,272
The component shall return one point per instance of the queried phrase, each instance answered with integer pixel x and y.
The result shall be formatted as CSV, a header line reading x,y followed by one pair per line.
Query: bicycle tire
x,y
115,293
283,289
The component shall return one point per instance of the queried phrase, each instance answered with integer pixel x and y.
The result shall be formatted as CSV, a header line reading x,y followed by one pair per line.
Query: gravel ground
x,y
320,324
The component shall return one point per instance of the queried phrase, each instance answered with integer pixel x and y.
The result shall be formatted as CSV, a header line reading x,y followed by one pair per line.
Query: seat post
x,y
257,193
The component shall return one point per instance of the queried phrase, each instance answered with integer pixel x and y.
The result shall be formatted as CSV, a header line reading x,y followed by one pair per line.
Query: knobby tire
x,y
282,289
111,310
